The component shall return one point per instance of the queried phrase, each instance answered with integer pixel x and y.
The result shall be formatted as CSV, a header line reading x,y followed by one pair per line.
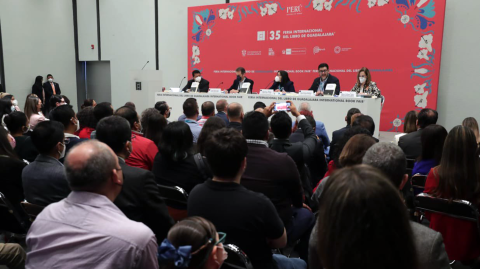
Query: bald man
x,y
86,229
235,116
222,106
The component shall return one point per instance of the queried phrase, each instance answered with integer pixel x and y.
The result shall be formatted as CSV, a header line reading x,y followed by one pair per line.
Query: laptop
x,y
245,88
330,89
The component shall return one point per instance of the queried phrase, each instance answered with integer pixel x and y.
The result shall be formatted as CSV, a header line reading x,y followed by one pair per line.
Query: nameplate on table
x,y
306,93
215,90
348,94
266,92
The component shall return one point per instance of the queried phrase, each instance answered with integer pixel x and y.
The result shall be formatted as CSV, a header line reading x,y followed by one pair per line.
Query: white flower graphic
x,y
397,122
421,100
381,3
263,11
423,54
208,32
230,14
421,71
196,60
426,42
328,5
195,51
420,89
318,5
272,8
371,3
223,13
405,19
421,2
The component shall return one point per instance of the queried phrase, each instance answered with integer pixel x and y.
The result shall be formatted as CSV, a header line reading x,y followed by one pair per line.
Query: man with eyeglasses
x,y
320,83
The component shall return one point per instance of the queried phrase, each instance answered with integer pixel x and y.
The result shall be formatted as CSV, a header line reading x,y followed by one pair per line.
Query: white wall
x,y
459,90
38,39
87,30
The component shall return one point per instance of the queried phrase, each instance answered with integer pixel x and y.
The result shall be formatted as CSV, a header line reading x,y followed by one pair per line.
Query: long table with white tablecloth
x,y
329,110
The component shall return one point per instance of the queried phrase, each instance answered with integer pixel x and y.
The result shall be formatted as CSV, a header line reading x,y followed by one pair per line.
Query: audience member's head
x,y
305,106
56,100
33,105
5,146
163,108
87,118
427,117
255,126
473,125
235,112
38,81
176,142
48,138
226,151
410,122
312,121
360,217
5,108
17,123
50,78
116,133
354,117
131,116
93,167
208,109
211,125
131,105
222,105
459,170
343,141
88,102
190,108
258,105
102,110
350,113
153,124
67,101
199,234
433,138
66,116
355,149
366,122
281,125
390,160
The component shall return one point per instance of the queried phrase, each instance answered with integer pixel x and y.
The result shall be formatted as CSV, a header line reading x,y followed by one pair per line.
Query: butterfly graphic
x,y
418,14
202,24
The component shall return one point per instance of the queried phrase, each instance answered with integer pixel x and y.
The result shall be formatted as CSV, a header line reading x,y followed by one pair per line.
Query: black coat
x,y
202,87
288,87
330,80
49,92
411,144
38,90
237,81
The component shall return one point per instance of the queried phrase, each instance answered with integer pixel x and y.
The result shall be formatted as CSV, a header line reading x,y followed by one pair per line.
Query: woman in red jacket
x,y
457,177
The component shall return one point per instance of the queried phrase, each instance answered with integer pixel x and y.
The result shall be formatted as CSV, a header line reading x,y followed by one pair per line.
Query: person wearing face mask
x,y
139,199
50,88
44,180
283,83
164,109
17,125
203,85
197,241
365,85
66,116
11,98
86,229
325,78
237,83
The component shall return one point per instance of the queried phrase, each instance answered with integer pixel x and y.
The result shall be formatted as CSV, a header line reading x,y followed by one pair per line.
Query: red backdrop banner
x,y
400,41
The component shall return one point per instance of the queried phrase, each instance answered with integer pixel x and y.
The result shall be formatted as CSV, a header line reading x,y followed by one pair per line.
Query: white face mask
x,y
50,80
15,102
362,79
277,79
198,79
12,108
78,125
62,154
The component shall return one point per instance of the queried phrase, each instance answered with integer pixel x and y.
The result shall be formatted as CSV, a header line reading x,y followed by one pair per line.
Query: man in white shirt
x,y
86,230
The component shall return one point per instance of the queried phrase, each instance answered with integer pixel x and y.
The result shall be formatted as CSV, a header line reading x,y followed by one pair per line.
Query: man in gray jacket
x,y
391,160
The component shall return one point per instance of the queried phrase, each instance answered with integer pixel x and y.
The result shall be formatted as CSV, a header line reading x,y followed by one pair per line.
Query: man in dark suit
x,y
222,105
44,180
139,199
411,143
237,83
51,88
163,108
338,134
203,85
66,116
320,83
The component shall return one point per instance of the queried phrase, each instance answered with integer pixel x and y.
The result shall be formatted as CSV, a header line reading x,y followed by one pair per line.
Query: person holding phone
x,y
283,83
365,85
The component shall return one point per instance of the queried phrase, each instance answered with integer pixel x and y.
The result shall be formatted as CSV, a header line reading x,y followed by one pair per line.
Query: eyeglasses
x,y
221,238
322,71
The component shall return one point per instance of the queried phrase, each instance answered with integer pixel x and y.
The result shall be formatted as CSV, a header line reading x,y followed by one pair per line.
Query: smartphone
x,y
282,107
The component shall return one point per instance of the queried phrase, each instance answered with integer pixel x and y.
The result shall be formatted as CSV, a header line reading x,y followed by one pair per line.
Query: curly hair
x,y
86,118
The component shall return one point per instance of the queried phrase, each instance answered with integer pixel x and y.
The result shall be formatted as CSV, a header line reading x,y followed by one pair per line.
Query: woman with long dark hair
x,y
153,124
283,83
432,138
410,122
37,88
458,178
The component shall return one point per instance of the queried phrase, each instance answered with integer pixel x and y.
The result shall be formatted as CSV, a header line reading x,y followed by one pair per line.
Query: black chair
x,y
11,220
237,259
418,183
176,199
32,210
410,165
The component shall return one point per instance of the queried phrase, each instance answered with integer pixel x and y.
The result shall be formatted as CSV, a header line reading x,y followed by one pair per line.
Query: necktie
x,y
53,88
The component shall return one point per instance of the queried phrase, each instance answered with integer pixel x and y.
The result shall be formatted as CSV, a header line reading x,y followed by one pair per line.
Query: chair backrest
x,y
410,165
10,219
173,194
236,258
32,210
418,181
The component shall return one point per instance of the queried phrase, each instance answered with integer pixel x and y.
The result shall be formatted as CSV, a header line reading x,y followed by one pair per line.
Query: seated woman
x,y
433,138
33,111
473,125
88,123
174,164
11,98
283,83
192,243
410,122
457,177
365,85
17,125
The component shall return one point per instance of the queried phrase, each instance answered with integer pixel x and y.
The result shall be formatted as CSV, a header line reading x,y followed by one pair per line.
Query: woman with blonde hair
x,y
365,85
471,123
33,111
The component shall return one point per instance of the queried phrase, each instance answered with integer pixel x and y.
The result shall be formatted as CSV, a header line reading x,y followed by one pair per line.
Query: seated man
x,y
241,78
190,109
139,199
222,105
325,78
235,116
320,129
203,85
54,102
101,111
44,181
208,110
66,116
144,150
86,230
252,224
411,143
365,122
338,134
163,108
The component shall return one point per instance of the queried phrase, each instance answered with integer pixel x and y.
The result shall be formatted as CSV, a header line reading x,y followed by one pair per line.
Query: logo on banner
x,y
261,36
251,53
244,53
271,52
338,49
317,49
294,10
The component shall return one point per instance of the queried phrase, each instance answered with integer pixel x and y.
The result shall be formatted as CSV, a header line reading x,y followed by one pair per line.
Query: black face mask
x,y
239,77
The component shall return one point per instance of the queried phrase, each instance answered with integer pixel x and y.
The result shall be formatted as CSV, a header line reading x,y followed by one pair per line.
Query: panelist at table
x,y
320,83
283,83
365,85
241,78
203,86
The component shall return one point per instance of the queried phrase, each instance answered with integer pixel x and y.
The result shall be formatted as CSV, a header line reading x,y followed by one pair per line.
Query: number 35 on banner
x,y
275,35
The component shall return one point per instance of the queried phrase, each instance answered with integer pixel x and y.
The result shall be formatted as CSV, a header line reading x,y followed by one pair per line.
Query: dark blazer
x,y
330,79
72,142
411,144
336,136
237,81
44,181
140,200
235,125
49,92
202,87
223,116
38,90
11,179
287,87
25,149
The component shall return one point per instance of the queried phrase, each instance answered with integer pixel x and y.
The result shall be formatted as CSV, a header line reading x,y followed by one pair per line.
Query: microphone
x,y
181,82
269,84
145,64
219,84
